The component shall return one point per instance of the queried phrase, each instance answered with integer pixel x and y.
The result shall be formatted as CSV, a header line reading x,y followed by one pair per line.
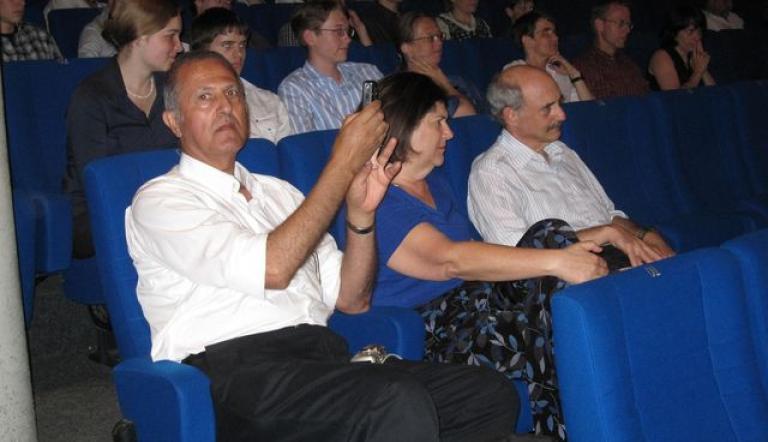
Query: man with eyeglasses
x,y
608,71
320,94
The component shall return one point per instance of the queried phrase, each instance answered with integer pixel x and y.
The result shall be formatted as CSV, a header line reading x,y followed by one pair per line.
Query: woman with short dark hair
x,y
681,62
482,303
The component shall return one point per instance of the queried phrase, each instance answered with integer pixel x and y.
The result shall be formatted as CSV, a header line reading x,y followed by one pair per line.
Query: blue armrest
x,y
54,227
166,400
401,330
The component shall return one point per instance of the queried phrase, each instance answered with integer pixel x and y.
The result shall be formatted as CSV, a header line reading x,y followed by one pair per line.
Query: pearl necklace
x,y
143,97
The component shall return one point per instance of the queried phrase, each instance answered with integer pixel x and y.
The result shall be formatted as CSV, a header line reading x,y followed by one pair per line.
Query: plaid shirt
x,y
608,76
29,43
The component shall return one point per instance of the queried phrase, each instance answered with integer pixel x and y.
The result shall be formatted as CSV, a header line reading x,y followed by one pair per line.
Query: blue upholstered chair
x,y
661,352
166,400
751,251
66,26
627,143
302,159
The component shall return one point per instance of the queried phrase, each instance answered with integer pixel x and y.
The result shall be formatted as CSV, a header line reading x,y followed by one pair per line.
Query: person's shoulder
x,y
359,67
298,78
34,31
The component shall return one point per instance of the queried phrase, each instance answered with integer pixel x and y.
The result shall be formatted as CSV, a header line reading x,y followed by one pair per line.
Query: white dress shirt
x,y
511,187
267,114
718,23
91,43
200,252
567,89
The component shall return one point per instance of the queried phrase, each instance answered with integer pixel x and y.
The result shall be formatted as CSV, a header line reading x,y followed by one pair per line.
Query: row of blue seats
x,y
37,94
662,304
692,163
170,401
736,55
673,351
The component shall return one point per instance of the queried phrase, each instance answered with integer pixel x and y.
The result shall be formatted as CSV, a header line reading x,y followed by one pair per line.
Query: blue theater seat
x,y
36,97
471,136
67,24
660,353
166,400
302,159
708,145
751,251
627,146
752,130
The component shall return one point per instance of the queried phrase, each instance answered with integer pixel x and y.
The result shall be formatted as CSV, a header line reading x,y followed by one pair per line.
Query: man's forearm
x,y
358,269
289,245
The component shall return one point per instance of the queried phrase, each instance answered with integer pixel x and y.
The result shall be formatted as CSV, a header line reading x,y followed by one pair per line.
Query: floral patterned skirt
x,y
506,326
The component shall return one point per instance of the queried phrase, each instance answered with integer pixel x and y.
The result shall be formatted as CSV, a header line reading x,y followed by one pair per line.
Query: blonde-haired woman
x,y
119,108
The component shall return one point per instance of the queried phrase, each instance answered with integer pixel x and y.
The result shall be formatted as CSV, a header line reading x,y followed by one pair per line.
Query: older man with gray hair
x,y
529,175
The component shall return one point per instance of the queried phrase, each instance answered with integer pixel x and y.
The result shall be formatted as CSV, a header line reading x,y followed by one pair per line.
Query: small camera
x,y
373,354
370,92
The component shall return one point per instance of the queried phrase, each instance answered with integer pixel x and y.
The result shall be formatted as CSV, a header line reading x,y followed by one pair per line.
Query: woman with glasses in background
x,y
681,62
420,43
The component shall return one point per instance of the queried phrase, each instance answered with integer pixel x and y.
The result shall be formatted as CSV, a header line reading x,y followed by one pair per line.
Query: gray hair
x,y
502,94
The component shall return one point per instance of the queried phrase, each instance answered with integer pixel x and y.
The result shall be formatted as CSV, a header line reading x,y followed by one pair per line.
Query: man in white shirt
x,y
320,94
529,175
719,16
220,30
237,277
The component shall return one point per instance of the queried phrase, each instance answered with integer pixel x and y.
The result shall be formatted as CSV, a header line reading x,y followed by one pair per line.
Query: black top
x,y
684,71
102,121
381,24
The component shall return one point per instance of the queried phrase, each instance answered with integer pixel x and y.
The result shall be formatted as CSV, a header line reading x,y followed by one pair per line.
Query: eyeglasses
x,y
431,38
340,32
621,23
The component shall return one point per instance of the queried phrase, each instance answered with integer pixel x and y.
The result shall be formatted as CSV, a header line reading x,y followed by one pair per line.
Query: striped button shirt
x,y
511,187
318,102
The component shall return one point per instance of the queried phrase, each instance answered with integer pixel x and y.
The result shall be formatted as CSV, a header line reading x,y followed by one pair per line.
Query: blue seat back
x,y
751,251
619,141
660,353
67,24
36,98
471,137
110,186
302,159
24,223
704,133
749,117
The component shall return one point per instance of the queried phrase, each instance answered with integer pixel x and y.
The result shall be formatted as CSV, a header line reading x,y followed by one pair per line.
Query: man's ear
x,y
308,37
526,41
510,117
169,118
598,25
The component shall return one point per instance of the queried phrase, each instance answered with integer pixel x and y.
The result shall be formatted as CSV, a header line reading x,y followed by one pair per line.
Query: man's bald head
x,y
526,100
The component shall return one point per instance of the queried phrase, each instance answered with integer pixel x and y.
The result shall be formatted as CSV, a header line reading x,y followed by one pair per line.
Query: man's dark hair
x,y
526,25
171,91
406,97
678,19
601,8
311,15
211,23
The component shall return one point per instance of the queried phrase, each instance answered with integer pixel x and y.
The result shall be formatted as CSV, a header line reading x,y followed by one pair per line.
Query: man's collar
x,y
220,182
521,154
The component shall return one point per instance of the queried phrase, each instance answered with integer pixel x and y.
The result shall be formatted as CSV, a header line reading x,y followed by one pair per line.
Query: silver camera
x,y
374,354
